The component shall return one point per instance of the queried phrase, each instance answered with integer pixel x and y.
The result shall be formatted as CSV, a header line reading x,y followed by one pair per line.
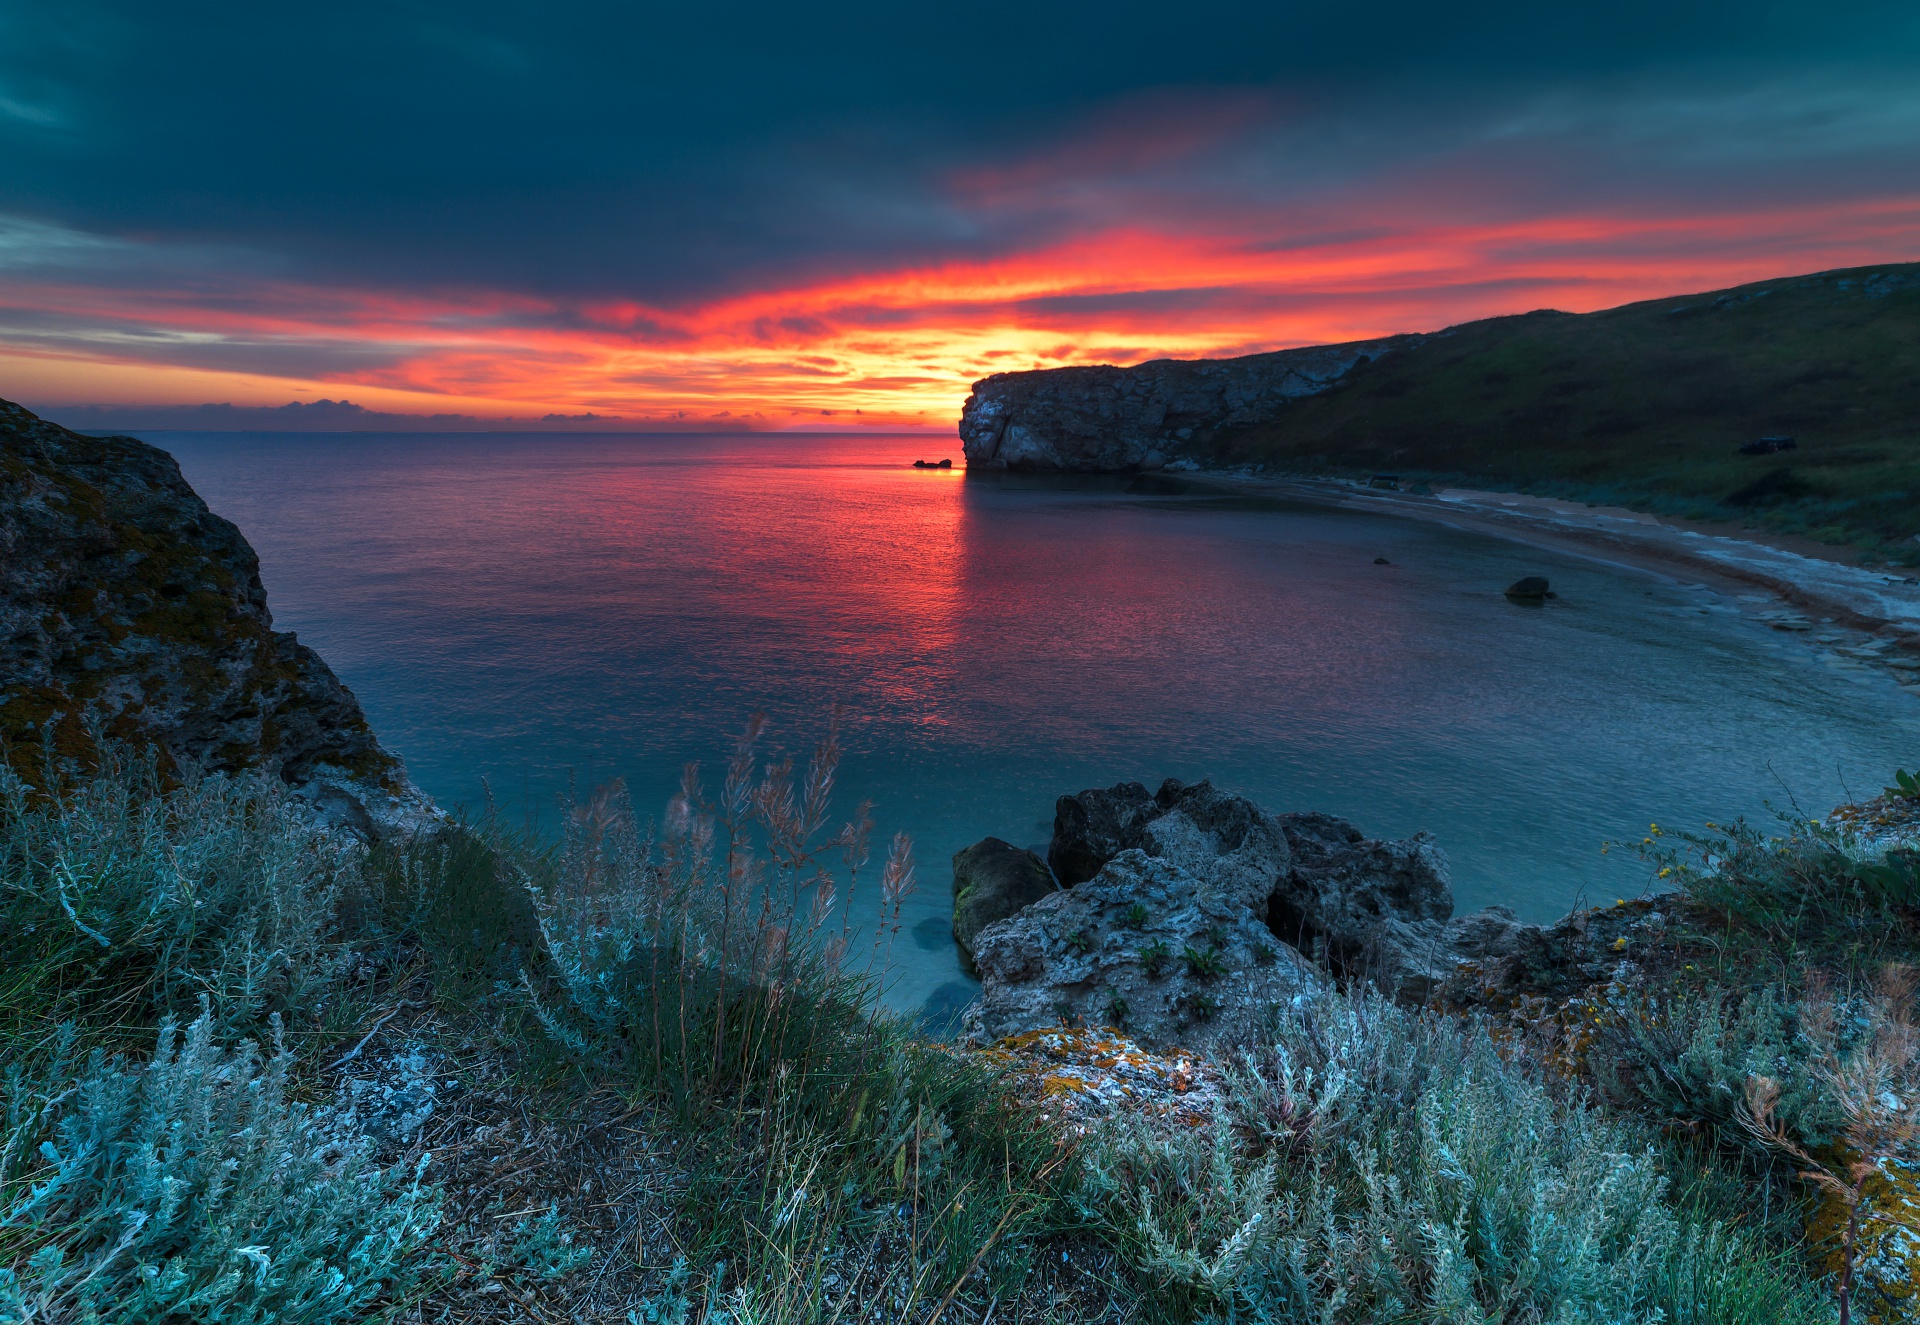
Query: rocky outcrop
x,y
1161,880
130,611
991,881
1118,420
1144,946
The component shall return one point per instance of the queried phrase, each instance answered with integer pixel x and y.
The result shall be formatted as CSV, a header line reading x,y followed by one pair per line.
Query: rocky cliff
x,y
1656,404
1118,420
130,611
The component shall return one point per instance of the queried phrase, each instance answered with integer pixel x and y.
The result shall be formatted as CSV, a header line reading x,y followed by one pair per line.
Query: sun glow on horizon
x,y
894,348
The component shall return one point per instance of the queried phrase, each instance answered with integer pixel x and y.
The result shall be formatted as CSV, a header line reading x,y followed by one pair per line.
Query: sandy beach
x,y
1870,614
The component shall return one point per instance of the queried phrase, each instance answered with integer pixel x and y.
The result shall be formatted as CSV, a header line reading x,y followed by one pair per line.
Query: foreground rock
x,y
1195,914
991,881
129,610
1366,909
1118,420
1144,946
1078,1074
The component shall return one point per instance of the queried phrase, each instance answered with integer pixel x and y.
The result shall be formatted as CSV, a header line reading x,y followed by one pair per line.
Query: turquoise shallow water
x,y
520,607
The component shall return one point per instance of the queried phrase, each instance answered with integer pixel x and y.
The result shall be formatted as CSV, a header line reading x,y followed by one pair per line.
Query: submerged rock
x,y
991,881
1530,588
129,610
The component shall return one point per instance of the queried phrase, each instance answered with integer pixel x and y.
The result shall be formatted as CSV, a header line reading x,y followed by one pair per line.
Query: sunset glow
x,y
820,221
900,347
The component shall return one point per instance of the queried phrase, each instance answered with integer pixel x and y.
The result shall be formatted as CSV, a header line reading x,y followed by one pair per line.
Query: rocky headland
x,y
1656,406
1107,420
129,611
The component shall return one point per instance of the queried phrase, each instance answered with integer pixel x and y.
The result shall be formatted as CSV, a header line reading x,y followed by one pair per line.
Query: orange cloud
x,y
901,346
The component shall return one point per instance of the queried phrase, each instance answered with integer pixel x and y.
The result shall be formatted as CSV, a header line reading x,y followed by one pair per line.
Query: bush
x,y
124,901
1375,1165
192,1188
1686,1059
462,896
1815,887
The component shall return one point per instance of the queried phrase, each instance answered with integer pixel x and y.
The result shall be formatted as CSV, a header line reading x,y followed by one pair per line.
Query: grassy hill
x,y
1648,404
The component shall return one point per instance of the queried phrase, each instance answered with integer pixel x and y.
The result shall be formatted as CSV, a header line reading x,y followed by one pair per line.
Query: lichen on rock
x,y
129,611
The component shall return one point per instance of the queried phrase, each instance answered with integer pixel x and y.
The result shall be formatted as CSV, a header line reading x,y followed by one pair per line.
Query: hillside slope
x,y
1644,405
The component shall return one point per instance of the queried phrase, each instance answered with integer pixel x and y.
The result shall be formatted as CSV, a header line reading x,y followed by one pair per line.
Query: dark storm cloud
x,y
663,154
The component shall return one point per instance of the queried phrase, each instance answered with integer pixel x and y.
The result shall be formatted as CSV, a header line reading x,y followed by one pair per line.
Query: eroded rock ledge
x,y
1192,916
1118,420
131,611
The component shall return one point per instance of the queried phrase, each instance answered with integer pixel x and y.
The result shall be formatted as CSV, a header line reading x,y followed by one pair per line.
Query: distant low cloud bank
x,y
345,416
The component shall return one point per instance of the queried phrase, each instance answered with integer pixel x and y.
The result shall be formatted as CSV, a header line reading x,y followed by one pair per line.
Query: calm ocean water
x,y
523,607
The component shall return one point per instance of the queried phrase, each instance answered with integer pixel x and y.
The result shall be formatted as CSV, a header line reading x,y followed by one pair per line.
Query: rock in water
x,y
1092,828
1144,946
1193,869
1225,841
1532,588
128,607
1374,910
991,881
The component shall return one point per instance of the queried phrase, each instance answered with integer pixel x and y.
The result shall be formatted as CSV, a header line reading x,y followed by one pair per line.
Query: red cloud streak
x,y
903,345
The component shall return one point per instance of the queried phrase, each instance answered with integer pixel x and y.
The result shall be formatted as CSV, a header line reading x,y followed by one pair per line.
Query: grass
x,y
1647,405
697,1107
131,899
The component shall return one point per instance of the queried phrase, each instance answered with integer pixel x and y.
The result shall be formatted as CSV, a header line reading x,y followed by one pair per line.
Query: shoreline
x,y
1828,592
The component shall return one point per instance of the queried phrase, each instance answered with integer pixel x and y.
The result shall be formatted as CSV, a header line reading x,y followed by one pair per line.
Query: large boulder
x,y
1225,841
131,611
1358,908
1382,911
1093,827
1144,946
991,881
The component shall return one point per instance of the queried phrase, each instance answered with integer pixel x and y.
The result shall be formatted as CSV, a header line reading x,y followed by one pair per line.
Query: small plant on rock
x,y
1155,957
1134,917
1116,1008
1204,963
1906,786
1080,942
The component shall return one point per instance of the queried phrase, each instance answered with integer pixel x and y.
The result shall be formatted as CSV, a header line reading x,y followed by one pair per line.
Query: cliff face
x,y
1647,404
1117,420
130,610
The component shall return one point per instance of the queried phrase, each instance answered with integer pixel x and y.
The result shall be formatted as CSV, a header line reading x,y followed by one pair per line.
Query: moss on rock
x,y
130,610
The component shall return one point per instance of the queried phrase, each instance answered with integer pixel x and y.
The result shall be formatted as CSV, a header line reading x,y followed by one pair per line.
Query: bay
x,y
537,608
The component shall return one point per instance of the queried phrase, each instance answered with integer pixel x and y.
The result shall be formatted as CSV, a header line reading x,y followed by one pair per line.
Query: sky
x,y
755,215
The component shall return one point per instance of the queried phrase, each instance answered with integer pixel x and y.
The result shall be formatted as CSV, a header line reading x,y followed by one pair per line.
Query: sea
x,y
521,614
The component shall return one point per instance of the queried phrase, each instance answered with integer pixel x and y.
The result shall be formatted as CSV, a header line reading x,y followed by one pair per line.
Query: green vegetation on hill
x,y
1647,405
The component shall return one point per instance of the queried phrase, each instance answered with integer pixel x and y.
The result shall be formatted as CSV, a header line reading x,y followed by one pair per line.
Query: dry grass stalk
x,y
1877,1086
